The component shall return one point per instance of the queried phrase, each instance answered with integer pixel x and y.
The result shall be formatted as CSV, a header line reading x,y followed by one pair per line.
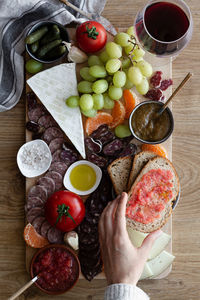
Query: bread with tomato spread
x,y
140,160
154,165
119,171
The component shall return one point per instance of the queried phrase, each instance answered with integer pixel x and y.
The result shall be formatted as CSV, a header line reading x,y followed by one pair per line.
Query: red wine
x,y
166,21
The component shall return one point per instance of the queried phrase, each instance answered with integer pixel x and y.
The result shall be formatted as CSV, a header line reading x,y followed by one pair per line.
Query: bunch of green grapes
x,y
120,66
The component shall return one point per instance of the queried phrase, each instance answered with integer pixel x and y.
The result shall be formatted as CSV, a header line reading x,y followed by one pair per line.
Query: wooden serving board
x,y
166,68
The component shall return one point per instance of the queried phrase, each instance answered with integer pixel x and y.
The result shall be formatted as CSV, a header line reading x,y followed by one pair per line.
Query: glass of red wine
x,y
164,28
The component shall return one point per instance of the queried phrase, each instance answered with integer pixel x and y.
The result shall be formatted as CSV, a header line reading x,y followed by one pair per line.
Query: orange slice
x,y
32,238
158,149
101,118
131,101
118,114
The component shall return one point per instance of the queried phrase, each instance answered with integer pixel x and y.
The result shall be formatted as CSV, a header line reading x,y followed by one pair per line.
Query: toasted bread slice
x,y
140,160
155,163
119,171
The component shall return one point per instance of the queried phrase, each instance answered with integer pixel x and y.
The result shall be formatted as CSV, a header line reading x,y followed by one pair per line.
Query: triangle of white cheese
x,y
53,86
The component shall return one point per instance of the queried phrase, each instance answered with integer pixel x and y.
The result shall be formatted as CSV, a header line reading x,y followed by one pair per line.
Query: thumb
x,y
148,242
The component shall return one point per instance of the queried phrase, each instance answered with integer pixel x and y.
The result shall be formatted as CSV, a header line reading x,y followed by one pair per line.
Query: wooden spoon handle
x,y
187,77
25,287
88,15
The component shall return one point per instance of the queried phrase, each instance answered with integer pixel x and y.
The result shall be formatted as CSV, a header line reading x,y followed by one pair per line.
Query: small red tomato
x,y
65,210
91,36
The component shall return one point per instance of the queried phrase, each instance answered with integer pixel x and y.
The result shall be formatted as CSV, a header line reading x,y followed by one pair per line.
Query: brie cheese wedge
x,y
53,86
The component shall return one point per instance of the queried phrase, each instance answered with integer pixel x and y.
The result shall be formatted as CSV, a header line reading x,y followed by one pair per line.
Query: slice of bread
x,y
119,171
139,162
155,163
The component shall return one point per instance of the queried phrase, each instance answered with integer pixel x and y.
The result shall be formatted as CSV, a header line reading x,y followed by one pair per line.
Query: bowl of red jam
x,y
57,267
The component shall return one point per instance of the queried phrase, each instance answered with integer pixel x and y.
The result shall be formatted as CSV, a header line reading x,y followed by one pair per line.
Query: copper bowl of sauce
x,y
147,127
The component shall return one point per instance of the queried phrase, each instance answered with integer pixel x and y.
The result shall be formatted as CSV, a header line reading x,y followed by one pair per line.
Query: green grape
x,y
98,71
128,49
143,87
89,113
126,63
104,57
113,50
33,66
145,68
130,31
84,72
84,87
119,79
122,131
72,101
122,39
113,65
94,60
128,85
114,92
100,86
138,53
109,78
98,101
108,103
86,102
135,75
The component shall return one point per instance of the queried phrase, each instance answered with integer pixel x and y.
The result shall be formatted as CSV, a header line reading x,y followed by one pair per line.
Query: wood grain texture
x,y
183,282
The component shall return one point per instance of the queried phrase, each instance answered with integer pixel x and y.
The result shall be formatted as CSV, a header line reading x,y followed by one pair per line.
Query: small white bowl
x,y
69,186
27,171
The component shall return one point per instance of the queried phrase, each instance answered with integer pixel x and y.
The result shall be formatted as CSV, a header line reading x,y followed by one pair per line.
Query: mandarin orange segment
x,y
32,238
130,102
118,114
101,118
158,149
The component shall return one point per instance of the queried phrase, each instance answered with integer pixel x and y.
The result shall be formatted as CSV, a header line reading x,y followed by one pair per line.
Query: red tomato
x,y
65,210
91,36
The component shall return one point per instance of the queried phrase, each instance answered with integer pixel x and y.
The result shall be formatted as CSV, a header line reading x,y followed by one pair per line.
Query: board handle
x,y
23,288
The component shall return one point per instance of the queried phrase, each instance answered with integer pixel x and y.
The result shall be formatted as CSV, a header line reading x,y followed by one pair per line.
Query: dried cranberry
x,y
154,94
165,84
32,126
31,100
156,79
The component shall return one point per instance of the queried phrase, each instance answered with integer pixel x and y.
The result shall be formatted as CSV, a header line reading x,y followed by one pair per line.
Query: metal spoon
x,y
24,288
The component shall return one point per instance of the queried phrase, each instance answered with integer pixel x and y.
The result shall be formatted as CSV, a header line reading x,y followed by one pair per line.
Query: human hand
x,y
123,263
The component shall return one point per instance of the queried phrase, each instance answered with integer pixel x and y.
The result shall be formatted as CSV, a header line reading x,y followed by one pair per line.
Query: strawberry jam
x,y
57,269
150,196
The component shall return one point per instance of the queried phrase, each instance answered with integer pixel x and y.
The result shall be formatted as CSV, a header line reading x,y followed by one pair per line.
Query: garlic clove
x,y
75,54
71,239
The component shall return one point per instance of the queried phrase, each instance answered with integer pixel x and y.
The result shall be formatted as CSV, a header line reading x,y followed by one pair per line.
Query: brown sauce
x,y
147,125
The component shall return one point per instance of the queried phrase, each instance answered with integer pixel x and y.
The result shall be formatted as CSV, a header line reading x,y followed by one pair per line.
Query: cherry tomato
x,y
91,36
65,210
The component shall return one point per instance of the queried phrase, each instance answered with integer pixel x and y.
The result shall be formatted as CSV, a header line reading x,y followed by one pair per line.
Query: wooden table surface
x,y
183,282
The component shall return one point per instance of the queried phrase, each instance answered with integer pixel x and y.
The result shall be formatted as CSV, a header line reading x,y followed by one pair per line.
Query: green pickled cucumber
x,y
46,48
36,35
34,47
52,34
56,52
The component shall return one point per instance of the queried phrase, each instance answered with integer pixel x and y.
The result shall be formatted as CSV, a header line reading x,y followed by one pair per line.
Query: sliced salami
x,y
52,133
59,167
37,223
57,177
38,191
47,121
35,113
56,156
33,202
55,236
56,144
44,228
34,213
48,184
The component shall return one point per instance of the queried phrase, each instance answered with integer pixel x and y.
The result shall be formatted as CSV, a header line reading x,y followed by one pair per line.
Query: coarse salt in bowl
x,y
34,158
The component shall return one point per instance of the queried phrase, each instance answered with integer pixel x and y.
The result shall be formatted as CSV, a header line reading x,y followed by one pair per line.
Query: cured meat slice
x,y
35,113
33,202
37,223
34,213
52,133
56,156
90,273
38,191
55,236
57,177
59,167
47,121
44,228
48,184
56,144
